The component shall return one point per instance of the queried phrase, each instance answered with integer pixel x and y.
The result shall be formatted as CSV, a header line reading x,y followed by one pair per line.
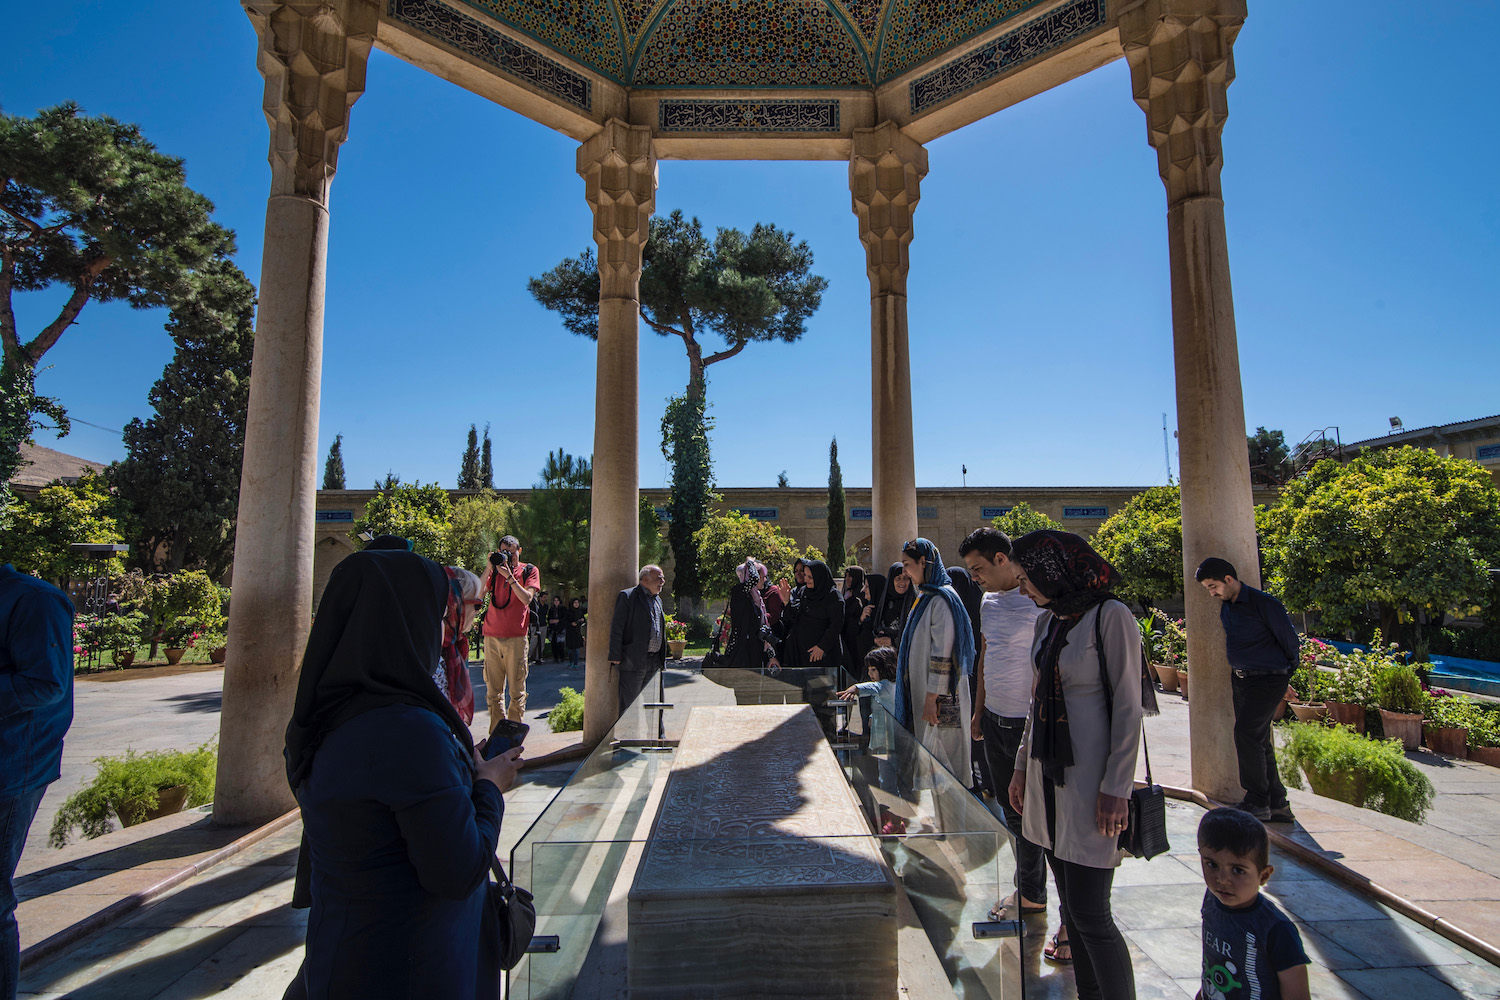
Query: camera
x,y
501,558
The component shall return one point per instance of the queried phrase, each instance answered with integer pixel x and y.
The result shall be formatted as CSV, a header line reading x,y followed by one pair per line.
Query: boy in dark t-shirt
x,y
1251,951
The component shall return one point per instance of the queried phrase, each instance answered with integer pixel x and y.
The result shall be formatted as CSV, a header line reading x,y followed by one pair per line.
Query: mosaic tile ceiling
x,y
751,43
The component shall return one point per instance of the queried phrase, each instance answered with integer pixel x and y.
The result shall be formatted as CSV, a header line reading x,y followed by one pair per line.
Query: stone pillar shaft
x,y
313,58
885,174
619,170
1181,65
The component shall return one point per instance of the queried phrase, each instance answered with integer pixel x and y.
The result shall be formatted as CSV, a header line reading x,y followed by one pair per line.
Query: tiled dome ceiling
x,y
751,43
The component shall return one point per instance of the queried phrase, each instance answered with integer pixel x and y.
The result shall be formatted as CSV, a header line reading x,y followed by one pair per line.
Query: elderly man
x,y
638,634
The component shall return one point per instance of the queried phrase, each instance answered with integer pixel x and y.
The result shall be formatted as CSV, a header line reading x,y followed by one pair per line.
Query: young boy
x,y
1250,948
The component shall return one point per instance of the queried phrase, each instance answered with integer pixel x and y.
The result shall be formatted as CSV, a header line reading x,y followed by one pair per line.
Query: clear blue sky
x,y
1363,221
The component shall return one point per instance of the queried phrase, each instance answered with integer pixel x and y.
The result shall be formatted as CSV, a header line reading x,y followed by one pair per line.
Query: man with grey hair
x,y
638,634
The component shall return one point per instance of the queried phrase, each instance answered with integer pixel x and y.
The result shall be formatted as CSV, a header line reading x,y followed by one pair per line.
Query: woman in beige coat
x,y
1076,764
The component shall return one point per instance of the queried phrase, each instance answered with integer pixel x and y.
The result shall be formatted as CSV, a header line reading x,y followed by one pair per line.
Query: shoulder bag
x,y
1145,833
508,921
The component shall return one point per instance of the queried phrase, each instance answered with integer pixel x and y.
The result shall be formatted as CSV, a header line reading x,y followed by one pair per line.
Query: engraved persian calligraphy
x,y
685,115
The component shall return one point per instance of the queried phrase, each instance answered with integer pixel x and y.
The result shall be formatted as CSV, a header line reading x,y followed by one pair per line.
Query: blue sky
x,y
1363,224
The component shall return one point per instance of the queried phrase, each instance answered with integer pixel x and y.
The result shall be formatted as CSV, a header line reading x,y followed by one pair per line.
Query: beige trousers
x,y
505,671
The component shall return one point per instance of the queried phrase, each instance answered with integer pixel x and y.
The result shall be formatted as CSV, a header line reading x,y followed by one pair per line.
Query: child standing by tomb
x,y
1250,948
880,664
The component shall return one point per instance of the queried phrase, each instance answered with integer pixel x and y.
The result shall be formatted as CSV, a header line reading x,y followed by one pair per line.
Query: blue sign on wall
x,y
759,513
926,513
992,512
334,515
860,514
816,513
664,513
1085,512
1487,451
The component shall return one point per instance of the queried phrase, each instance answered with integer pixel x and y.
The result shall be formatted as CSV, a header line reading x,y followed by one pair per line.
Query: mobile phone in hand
x,y
507,735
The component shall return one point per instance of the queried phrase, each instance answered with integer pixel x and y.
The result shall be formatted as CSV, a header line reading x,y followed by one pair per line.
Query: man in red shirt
x,y
511,585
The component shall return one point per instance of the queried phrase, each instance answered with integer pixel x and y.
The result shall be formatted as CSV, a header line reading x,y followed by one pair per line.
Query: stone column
x,y
1180,69
313,57
619,171
885,174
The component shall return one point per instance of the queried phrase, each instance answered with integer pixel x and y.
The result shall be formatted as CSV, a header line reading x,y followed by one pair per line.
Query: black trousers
x,y
1256,697
1101,959
633,682
1002,738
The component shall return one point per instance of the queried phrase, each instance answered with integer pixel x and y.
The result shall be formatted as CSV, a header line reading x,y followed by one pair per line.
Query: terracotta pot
x,y
174,655
1167,675
124,657
168,800
677,646
1485,755
1313,711
1450,741
1403,726
217,654
1182,677
1346,714
1346,786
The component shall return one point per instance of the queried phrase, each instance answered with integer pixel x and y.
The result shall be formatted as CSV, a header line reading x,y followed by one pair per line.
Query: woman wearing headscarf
x,y
895,607
465,595
574,630
855,603
751,642
400,813
934,661
812,638
1076,764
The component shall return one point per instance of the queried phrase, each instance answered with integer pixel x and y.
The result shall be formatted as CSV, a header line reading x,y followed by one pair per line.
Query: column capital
x,y
886,167
618,166
1181,65
313,57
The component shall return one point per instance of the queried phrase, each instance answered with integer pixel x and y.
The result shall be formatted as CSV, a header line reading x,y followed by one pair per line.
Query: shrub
x,y
130,783
1311,683
1397,689
1484,728
700,628
567,716
1452,711
1393,784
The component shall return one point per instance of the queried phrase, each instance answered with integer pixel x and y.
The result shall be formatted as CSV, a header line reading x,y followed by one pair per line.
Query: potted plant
x,y
135,788
1309,683
676,637
1341,764
1399,695
1168,650
1447,728
178,635
1350,691
213,640
118,633
1484,736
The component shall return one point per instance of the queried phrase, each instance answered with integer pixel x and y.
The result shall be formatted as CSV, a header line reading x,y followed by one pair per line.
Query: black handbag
x,y
1145,833
507,924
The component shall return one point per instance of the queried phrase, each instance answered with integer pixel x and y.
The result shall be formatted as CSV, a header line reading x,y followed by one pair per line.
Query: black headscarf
x,y
876,583
895,607
1063,568
374,643
968,592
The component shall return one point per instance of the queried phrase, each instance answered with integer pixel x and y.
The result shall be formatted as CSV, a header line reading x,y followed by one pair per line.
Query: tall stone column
x,y
1181,66
313,58
885,176
618,167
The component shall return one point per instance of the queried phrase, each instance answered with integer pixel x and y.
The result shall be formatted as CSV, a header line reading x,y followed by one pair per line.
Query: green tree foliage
x,y
19,408
653,547
836,507
41,529
728,539
684,435
486,463
89,205
781,480
1143,540
181,474
1022,520
391,482
1270,461
413,511
1402,528
553,526
475,528
468,467
333,469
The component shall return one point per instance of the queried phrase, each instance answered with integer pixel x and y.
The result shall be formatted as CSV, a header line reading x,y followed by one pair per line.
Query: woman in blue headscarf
x,y
935,660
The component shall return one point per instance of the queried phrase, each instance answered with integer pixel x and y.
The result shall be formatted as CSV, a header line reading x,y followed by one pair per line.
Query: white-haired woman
x,y
451,674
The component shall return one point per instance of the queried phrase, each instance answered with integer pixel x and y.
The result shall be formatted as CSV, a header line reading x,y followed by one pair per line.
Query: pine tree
x,y
486,464
836,522
181,474
333,469
468,469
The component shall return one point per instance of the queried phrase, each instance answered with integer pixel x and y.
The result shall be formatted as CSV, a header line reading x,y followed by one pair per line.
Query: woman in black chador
x,y
751,640
813,638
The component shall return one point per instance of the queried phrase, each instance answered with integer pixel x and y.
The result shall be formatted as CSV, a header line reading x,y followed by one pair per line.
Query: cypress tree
x,y
468,469
684,431
333,469
836,523
486,465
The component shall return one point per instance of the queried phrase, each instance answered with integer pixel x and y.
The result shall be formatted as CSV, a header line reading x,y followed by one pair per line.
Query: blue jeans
x,y
16,814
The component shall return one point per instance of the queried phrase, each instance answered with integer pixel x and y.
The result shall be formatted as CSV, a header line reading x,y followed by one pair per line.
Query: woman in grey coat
x,y
1076,764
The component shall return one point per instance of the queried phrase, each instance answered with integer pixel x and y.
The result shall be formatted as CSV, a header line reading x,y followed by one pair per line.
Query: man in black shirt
x,y
1263,649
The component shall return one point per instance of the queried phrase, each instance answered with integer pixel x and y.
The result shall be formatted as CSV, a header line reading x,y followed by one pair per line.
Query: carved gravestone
x,y
760,878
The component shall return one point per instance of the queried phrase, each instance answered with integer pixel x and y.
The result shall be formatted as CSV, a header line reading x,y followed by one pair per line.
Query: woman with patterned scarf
x,y
465,595
1076,764
934,661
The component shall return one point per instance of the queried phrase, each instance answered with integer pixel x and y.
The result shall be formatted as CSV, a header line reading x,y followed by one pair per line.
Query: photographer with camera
x,y
511,585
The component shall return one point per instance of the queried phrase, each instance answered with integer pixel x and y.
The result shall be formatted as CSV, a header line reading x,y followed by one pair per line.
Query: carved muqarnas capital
x,y
1181,65
885,176
313,57
618,167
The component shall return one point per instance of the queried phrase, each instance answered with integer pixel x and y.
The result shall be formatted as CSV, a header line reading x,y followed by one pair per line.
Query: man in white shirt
x,y
1007,623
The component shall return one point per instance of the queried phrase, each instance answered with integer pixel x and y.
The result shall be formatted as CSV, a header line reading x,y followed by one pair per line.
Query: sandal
x,y
1051,952
1002,909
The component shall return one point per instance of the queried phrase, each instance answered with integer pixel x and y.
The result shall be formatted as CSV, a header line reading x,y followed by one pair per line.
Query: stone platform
x,y
760,874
